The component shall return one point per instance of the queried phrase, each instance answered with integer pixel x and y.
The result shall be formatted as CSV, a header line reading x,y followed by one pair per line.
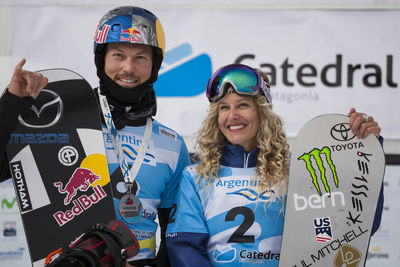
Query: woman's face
x,y
239,120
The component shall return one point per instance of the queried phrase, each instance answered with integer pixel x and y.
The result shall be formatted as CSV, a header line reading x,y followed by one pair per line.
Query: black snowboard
x,y
58,165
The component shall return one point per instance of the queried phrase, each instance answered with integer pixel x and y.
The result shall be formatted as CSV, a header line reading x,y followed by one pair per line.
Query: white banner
x,y
13,248
320,61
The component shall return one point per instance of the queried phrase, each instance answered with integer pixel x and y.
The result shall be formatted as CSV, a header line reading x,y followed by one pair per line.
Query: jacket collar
x,y
237,157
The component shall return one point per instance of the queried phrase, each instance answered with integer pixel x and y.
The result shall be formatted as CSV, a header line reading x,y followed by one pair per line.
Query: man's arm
x,y
24,87
187,232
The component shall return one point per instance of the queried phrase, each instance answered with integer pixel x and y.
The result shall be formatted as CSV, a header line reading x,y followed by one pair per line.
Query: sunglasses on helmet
x,y
243,79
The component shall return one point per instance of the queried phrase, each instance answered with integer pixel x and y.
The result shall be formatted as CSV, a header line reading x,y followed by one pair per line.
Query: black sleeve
x,y
378,212
162,259
379,207
10,108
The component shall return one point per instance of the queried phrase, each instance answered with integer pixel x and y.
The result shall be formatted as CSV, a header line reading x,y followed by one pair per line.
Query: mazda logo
x,y
51,100
342,132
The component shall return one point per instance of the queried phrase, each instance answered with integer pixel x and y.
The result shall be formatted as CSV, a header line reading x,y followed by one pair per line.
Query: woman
x,y
230,207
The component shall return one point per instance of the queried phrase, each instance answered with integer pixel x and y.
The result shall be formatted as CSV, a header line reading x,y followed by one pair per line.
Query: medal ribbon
x,y
129,174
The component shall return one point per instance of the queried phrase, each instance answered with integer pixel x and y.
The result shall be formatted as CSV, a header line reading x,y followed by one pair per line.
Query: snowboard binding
x,y
101,246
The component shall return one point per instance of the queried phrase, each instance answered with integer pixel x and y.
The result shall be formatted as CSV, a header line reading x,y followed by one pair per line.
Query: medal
x,y
130,208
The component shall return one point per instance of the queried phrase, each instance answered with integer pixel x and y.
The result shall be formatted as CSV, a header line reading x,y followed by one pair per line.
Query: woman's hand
x,y
362,124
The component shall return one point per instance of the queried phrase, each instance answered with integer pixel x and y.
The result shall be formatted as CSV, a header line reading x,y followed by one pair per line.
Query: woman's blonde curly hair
x,y
272,161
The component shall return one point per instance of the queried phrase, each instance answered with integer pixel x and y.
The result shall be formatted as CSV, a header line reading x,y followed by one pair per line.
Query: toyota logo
x,y
342,132
51,100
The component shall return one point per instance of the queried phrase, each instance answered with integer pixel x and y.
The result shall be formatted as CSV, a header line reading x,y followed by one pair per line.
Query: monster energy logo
x,y
316,154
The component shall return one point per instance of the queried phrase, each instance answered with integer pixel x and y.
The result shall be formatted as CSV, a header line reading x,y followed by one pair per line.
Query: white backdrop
x,y
295,42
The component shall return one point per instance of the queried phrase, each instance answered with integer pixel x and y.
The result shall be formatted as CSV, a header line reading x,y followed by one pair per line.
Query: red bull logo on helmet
x,y
101,35
131,35
81,180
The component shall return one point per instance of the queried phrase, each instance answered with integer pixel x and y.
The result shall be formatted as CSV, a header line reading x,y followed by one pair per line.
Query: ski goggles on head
x,y
243,79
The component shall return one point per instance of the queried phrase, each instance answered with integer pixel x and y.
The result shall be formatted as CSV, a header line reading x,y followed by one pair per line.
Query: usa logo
x,y
323,230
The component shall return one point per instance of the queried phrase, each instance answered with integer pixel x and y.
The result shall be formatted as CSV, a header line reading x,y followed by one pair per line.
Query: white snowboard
x,y
334,184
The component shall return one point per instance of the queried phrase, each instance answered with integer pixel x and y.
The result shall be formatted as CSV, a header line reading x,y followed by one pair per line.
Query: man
x,y
129,48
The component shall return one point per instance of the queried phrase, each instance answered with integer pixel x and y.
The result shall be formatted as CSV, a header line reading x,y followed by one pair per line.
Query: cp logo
x,y
68,155
47,99
342,132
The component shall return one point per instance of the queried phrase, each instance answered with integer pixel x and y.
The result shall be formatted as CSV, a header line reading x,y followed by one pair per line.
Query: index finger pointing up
x,y
20,64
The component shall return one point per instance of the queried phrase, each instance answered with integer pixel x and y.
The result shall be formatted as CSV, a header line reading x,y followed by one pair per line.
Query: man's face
x,y
128,64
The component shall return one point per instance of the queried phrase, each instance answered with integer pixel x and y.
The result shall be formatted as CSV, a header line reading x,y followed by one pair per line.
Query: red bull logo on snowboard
x,y
81,204
81,180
